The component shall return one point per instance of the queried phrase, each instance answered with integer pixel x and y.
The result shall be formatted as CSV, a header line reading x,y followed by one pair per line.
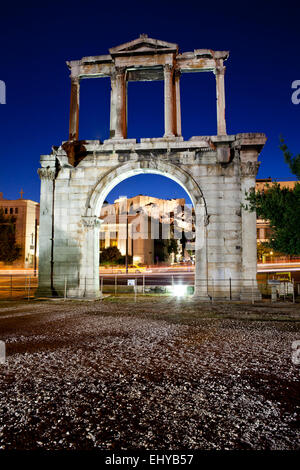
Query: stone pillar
x,y
201,274
219,73
89,270
177,103
113,94
120,106
249,244
74,109
47,176
169,100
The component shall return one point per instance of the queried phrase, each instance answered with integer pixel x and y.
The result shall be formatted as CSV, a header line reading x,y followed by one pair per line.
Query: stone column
x,y
89,270
113,94
120,106
47,176
74,109
201,273
249,244
177,103
219,73
169,100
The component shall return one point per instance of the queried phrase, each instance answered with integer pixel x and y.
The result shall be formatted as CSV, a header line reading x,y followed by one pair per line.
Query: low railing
x,y
17,286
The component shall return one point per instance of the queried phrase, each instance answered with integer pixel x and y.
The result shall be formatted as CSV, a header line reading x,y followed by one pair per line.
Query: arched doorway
x,y
76,176
89,269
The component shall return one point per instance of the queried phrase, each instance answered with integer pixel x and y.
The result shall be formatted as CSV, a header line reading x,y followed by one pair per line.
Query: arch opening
x,y
145,109
94,95
120,173
198,92
150,219
153,166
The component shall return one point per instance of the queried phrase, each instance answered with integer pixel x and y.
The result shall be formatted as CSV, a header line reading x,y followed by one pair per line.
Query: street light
x,y
179,290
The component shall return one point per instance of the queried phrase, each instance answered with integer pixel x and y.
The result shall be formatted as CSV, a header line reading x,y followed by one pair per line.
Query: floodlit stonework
x,y
215,171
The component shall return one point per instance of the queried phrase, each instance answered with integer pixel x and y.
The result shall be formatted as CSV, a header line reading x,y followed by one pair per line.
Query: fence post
x,y
116,282
252,291
293,291
212,289
143,283
28,287
101,284
11,286
230,291
65,294
135,289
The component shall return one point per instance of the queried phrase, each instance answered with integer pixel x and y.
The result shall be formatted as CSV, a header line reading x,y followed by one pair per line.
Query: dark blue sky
x,y
262,37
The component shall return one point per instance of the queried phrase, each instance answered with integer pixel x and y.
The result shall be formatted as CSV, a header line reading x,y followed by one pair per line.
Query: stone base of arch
x,y
201,290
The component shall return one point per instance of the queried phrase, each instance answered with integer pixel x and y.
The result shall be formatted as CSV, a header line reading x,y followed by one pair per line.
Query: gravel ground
x,y
156,374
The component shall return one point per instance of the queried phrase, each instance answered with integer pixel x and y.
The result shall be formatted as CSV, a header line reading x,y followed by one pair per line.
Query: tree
x,y
9,250
293,162
281,207
111,253
172,246
160,252
262,250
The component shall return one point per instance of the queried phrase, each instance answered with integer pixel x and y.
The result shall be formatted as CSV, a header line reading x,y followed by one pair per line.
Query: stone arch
x,y
123,171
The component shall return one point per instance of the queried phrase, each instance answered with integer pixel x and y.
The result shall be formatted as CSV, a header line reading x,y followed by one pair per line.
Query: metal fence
x,y
18,286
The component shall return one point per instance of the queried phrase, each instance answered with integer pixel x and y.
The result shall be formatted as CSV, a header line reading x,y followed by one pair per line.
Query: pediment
x,y
144,45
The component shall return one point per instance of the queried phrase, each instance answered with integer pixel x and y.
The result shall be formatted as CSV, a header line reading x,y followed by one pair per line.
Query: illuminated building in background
x,y
27,215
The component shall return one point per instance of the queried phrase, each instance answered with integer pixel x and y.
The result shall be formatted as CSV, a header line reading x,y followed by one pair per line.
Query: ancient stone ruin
x,y
216,171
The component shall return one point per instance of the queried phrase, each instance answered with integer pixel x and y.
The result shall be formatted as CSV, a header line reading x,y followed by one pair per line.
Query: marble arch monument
x,y
215,170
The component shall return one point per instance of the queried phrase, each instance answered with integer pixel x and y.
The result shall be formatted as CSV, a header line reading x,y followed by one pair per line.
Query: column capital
x,y
249,168
90,222
220,70
119,71
168,68
113,75
46,173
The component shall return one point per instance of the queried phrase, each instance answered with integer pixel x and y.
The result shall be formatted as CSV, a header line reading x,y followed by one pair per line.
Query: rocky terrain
x,y
155,374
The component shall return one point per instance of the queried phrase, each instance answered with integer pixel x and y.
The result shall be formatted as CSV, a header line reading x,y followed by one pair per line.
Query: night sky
x,y
263,40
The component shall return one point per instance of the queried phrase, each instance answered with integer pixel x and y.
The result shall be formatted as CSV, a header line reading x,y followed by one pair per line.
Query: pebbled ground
x,y
155,374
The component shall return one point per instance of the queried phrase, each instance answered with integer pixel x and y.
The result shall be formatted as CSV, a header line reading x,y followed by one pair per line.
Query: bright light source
x,y
179,290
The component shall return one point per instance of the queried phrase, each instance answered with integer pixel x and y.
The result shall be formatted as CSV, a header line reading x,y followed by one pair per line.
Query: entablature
x,y
140,55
